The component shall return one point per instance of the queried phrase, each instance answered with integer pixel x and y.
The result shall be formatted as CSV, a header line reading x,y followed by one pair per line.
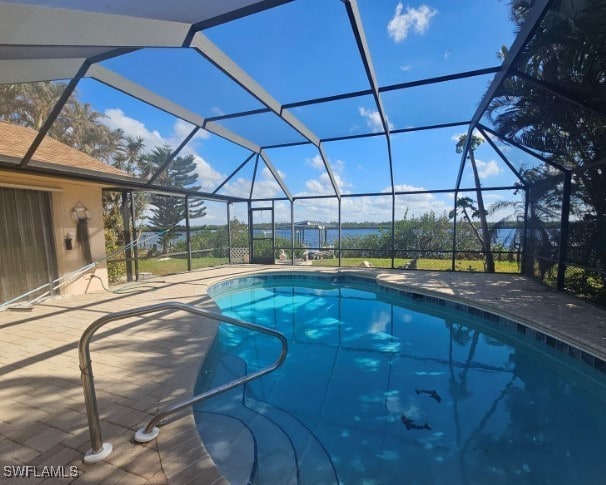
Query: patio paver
x,y
143,363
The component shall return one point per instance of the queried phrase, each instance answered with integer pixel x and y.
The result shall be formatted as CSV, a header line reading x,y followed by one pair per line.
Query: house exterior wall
x,y
66,194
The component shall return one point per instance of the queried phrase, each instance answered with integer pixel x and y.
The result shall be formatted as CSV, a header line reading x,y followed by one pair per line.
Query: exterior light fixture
x,y
68,241
81,216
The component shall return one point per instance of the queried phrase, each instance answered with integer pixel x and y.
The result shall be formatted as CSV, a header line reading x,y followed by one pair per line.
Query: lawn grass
x,y
426,264
165,266
594,289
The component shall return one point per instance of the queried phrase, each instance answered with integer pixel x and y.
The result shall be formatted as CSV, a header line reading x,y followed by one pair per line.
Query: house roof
x,y
15,141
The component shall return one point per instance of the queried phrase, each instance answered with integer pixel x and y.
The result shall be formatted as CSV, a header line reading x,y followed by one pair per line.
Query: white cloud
x,y
239,187
493,197
404,188
324,210
315,162
208,177
314,186
182,129
418,204
485,169
217,111
488,169
116,119
268,175
339,180
322,184
338,165
373,119
265,186
372,209
414,18
378,209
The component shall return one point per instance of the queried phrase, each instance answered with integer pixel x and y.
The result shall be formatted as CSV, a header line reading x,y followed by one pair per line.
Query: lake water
x,y
314,238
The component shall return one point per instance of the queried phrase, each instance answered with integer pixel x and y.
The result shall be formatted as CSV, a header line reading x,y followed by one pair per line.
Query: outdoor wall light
x,y
68,241
81,216
80,213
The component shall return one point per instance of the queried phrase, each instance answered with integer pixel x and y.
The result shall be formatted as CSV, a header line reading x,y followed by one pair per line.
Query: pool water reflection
x,y
396,391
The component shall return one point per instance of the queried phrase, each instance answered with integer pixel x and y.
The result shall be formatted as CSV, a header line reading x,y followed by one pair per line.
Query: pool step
x,y
314,463
273,456
230,443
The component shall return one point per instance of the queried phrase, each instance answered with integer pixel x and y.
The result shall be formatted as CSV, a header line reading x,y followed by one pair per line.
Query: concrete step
x,y
313,462
273,451
231,445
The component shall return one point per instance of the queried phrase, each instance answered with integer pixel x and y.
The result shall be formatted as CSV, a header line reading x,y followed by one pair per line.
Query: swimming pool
x,y
382,387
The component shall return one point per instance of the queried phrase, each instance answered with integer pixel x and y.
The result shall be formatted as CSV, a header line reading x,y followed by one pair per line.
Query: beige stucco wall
x,y
65,195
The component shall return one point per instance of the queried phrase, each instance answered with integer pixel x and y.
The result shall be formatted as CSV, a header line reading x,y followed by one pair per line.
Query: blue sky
x,y
306,49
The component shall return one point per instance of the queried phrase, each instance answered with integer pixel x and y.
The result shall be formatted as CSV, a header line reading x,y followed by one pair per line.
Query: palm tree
x,y
544,206
481,212
134,164
133,147
566,52
466,205
78,125
29,104
82,129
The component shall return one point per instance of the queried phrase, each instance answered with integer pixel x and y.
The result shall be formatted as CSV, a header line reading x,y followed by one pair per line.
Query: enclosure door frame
x,y
259,253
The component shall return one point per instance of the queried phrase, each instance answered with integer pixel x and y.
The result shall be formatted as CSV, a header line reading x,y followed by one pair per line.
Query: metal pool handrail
x,y
99,450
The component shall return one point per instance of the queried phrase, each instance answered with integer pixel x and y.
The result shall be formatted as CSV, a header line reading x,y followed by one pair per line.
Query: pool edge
x,y
198,459
593,356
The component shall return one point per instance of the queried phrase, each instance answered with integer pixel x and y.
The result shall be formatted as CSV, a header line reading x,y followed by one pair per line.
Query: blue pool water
x,y
344,407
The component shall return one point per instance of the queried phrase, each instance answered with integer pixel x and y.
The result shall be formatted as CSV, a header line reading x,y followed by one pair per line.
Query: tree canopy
x,y
167,212
554,103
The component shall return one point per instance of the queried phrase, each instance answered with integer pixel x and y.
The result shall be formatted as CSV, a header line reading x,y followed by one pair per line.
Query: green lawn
x,y
165,266
592,288
427,264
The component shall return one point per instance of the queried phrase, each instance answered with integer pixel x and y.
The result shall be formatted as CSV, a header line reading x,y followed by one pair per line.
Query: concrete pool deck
x,y
144,363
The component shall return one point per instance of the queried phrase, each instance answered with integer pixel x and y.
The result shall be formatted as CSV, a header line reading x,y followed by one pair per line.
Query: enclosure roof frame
x,y
41,47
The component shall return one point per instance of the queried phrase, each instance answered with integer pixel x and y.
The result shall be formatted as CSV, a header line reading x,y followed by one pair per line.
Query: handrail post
x,y
99,450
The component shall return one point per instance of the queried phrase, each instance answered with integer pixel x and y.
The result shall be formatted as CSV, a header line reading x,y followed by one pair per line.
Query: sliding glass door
x,y
27,243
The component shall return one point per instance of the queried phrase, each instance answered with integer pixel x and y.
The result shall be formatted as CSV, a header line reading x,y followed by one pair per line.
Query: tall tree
x,y
133,151
566,53
168,212
83,129
29,104
127,156
486,236
78,125
465,205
